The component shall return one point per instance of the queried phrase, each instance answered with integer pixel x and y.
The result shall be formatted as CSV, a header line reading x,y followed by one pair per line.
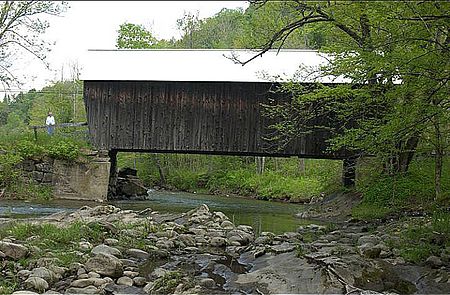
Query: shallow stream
x,y
261,215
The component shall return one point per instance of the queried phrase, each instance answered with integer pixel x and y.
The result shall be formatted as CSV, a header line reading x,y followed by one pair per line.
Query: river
x,y
261,215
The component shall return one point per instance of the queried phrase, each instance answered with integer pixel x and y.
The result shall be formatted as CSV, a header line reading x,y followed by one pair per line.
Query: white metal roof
x,y
202,65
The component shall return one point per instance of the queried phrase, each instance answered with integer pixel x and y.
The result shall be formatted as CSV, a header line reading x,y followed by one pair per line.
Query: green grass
x,y
414,190
237,175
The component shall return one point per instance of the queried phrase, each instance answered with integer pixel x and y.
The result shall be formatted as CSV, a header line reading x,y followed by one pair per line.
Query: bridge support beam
x,y
349,171
112,172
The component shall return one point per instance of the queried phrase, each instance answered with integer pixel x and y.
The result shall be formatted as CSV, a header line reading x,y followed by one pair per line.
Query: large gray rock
x,y
126,281
44,273
14,251
86,290
82,283
105,249
105,264
36,283
434,262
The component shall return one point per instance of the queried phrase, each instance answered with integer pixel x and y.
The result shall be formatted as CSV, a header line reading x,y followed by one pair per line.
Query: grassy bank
x,y
283,178
16,147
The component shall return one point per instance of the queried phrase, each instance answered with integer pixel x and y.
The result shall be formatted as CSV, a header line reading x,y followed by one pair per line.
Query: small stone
x,y
83,276
218,242
36,283
125,281
138,254
85,246
226,224
148,288
207,283
81,271
130,274
139,281
44,273
111,242
23,274
368,239
93,274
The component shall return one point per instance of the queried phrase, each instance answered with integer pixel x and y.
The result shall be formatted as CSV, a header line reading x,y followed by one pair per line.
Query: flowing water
x,y
261,215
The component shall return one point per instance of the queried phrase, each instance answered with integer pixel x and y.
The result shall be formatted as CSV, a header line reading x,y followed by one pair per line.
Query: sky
x,y
94,24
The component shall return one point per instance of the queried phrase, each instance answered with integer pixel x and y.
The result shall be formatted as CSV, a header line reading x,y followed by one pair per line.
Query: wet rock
x,y
282,248
137,253
105,249
36,283
262,240
86,290
434,262
126,281
369,250
239,236
105,264
14,251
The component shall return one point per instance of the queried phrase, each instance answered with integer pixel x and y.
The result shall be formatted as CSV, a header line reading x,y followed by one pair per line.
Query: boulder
x,y
44,273
139,281
86,290
14,251
105,264
105,249
36,283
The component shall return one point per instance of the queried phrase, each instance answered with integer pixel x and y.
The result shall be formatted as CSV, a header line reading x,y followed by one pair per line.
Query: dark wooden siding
x,y
187,117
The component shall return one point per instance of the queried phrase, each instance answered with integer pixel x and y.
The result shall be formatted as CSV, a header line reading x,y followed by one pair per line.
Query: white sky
x,y
94,24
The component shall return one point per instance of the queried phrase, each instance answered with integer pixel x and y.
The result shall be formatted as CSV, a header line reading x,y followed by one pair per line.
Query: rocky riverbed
x,y
203,252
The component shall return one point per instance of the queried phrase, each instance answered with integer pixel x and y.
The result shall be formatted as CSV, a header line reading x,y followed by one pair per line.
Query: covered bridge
x,y
193,101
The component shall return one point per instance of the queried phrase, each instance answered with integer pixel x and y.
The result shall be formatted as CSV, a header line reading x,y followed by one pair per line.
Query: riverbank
x,y
106,250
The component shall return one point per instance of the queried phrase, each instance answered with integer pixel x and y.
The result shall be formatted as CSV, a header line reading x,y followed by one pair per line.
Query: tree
x,y
397,56
21,25
134,36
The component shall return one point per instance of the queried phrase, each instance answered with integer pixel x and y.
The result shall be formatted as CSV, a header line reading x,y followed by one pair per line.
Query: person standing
x,y
50,122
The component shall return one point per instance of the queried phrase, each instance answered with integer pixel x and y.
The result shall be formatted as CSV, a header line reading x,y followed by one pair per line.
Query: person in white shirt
x,y
50,122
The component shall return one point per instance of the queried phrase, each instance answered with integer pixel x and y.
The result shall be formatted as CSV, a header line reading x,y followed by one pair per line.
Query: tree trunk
x,y
438,161
301,166
162,179
260,165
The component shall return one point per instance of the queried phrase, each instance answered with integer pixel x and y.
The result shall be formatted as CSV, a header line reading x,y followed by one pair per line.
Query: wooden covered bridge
x,y
194,101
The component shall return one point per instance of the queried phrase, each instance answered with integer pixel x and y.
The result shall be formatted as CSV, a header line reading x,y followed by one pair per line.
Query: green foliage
x,y
237,175
167,283
134,36
414,190
65,150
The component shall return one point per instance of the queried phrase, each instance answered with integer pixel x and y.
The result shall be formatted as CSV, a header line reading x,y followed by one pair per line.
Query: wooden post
x,y
35,133
349,172
112,172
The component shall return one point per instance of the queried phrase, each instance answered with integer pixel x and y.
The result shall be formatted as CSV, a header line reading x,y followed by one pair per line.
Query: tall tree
x,y
21,25
397,57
